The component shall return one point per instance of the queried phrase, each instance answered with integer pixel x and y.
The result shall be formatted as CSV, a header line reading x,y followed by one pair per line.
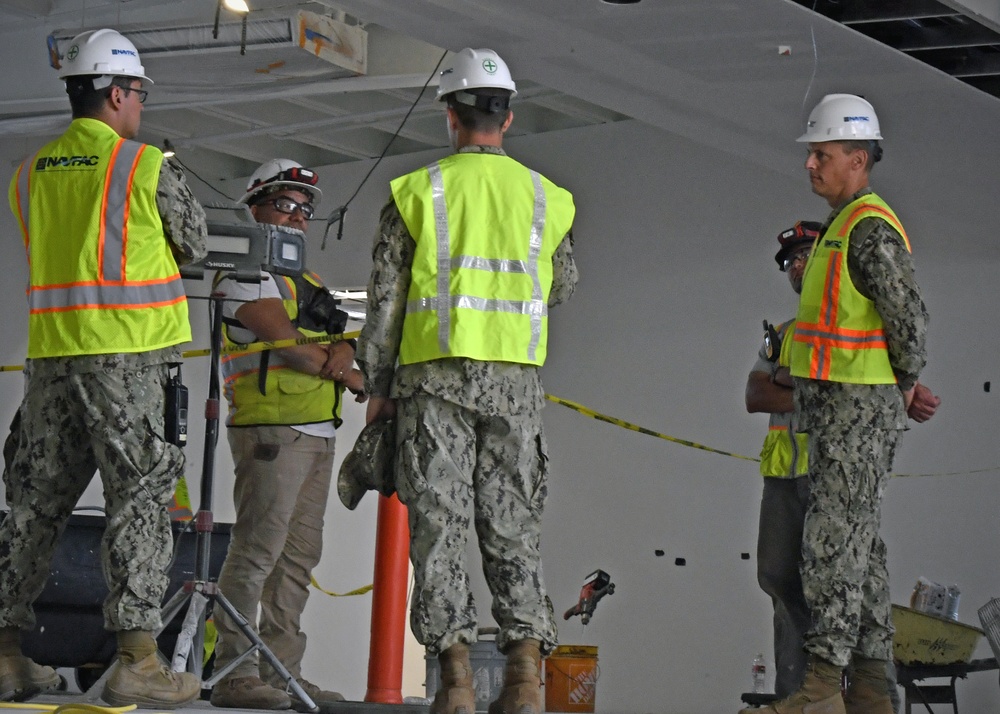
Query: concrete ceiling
x,y
734,75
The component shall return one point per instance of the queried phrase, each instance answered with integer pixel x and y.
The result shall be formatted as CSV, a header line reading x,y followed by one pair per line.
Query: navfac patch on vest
x,y
833,243
64,162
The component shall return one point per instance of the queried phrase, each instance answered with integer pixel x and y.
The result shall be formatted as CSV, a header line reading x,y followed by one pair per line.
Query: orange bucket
x,y
571,674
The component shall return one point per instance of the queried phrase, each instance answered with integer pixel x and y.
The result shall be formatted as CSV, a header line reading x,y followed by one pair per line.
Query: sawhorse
x,y
908,674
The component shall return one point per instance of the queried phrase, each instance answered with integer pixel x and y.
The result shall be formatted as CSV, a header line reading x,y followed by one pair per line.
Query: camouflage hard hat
x,y
370,465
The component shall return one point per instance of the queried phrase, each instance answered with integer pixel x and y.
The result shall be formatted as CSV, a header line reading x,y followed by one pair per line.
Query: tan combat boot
x,y
141,678
457,694
522,680
21,678
867,691
819,693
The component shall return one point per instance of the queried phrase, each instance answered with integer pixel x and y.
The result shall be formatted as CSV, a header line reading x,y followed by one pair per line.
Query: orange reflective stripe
x,y
823,338
875,340
22,189
777,427
887,215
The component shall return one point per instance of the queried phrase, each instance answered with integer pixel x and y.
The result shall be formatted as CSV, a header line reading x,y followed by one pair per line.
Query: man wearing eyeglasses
x,y
284,408
783,463
105,222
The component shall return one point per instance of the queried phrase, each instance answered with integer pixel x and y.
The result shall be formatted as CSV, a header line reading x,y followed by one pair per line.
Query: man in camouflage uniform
x,y
106,318
858,349
470,445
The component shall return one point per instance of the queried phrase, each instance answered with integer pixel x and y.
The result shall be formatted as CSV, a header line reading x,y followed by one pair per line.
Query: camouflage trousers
x,y
844,575
282,484
457,468
66,428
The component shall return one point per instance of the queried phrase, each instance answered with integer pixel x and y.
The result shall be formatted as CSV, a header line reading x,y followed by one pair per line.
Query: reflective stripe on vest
x,y
22,186
839,335
103,278
455,262
292,397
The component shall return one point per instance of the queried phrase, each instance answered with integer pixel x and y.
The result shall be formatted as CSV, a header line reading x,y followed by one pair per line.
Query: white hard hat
x,y
475,69
102,52
282,173
842,117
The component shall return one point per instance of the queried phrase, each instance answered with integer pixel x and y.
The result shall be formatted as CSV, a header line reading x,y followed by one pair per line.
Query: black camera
x,y
320,311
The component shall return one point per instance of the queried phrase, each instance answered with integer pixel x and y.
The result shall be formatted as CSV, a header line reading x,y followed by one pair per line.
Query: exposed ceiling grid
x,y
933,32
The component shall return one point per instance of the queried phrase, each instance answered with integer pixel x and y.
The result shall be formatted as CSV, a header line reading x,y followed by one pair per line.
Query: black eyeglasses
x,y
283,204
799,256
141,92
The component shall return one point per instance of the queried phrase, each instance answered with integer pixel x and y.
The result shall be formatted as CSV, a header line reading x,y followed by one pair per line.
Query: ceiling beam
x,y
29,8
862,12
338,122
969,64
969,34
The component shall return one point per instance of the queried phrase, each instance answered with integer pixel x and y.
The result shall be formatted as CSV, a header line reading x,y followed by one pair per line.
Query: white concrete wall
x,y
674,242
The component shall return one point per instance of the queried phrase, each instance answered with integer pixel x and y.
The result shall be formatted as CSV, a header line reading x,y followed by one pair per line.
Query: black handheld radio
x,y
176,422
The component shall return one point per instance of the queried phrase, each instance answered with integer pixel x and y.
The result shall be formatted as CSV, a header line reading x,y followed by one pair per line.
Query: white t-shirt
x,y
239,293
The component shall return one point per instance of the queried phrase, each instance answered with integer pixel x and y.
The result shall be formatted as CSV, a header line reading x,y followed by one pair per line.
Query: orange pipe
x,y
385,658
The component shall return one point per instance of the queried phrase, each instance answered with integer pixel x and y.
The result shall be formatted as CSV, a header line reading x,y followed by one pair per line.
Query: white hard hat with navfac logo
x,y
475,69
842,117
102,52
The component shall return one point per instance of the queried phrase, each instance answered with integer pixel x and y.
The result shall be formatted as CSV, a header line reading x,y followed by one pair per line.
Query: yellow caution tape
x,y
274,344
69,708
359,591
642,430
949,473
586,411
243,349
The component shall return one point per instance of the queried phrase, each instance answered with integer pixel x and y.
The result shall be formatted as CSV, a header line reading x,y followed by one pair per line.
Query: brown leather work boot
x,y
248,693
522,680
457,694
819,693
322,698
867,690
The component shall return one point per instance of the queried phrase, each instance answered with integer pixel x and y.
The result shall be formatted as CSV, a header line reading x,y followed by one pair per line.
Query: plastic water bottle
x,y
759,672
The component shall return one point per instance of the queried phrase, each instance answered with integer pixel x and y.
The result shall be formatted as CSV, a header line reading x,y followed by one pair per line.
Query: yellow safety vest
x,y
287,396
485,229
782,456
839,335
102,277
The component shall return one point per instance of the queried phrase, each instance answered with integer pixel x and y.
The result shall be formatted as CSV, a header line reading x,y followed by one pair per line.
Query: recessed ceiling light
x,y
620,2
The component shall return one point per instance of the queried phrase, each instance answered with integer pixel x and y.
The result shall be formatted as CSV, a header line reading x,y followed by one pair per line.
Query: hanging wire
x,y
812,33
176,158
337,216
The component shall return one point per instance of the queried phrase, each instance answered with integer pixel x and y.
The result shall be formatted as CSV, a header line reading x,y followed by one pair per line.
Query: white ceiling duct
x,y
305,46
